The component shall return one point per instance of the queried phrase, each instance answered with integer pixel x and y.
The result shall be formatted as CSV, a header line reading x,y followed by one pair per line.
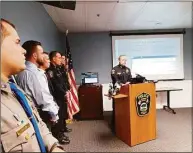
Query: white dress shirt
x,y
47,96
34,82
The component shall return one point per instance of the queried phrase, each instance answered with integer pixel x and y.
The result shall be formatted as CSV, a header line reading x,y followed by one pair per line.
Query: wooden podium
x,y
91,102
133,126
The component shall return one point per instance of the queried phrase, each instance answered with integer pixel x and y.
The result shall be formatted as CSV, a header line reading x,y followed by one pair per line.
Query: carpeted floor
x,y
174,134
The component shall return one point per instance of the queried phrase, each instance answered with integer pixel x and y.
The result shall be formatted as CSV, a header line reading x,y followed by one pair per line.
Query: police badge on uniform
x,y
143,104
113,71
51,74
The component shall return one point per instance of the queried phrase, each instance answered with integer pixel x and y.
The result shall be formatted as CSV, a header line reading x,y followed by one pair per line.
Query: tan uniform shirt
x,y
17,132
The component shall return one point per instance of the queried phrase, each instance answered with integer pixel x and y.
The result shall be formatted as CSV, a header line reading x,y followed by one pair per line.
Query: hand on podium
x,y
127,83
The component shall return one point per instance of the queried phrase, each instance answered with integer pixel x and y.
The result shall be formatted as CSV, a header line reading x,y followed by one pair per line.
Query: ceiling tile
x,y
124,13
96,26
166,13
122,16
104,10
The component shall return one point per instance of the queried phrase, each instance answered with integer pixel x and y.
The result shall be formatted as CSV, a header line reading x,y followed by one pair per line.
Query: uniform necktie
x,y
24,103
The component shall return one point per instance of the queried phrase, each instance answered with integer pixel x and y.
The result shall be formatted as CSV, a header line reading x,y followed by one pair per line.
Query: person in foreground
x,y
121,75
22,130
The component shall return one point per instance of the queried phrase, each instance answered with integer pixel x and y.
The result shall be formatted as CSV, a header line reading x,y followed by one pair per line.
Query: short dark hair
x,y
45,53
62,54
53,54
29,47
4,31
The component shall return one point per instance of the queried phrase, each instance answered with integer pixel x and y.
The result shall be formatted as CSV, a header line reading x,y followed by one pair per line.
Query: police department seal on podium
x,y
143,104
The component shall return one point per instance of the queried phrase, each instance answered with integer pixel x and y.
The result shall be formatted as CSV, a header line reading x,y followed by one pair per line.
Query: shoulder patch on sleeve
x,y
113,71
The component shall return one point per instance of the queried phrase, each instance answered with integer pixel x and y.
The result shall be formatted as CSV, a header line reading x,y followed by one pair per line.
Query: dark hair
x,y
53,54
62,54
45,53
29,47
4,31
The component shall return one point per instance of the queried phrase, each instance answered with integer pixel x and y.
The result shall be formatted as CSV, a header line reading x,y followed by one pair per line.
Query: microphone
x,y
136,75
145,80
137,78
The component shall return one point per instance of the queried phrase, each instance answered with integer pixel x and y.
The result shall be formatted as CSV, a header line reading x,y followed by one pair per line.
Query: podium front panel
x,y
135,116
143,128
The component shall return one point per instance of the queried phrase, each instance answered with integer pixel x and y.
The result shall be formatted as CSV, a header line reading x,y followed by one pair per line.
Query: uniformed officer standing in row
x,y
64,70
120,74
64,63
22,130
60,86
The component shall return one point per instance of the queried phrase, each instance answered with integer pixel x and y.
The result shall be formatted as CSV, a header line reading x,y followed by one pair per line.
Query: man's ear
x,y
34,55
54,59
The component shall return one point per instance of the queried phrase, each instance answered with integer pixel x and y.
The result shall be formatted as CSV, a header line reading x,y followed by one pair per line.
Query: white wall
x,y
178,99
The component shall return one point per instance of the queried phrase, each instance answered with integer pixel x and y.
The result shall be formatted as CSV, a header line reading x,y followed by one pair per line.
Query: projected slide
x,y
154,65
153,56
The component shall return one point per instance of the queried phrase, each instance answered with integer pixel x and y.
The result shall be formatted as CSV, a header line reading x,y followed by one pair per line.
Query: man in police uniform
x,y
120,74
64,62
60,87
18,131
64,69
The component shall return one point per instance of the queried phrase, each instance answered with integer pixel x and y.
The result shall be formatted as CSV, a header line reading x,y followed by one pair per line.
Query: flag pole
x,y
66,43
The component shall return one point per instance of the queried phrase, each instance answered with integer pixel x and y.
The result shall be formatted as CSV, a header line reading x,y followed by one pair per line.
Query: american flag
x,y
72,96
